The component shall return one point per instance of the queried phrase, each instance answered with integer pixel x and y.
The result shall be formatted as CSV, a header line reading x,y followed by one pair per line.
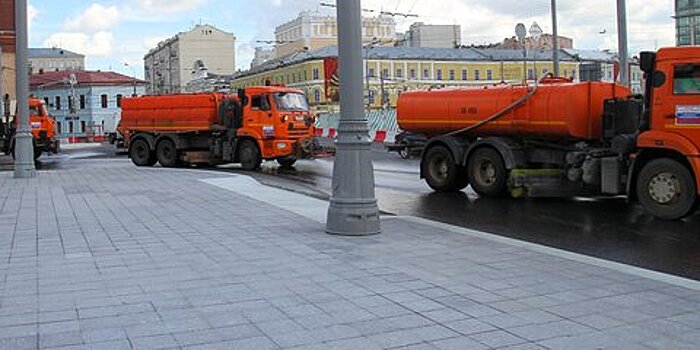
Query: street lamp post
x,y
353,210
555,39
24,141
622,42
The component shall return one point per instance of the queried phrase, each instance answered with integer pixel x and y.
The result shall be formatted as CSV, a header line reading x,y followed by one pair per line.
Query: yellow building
x,y
400,69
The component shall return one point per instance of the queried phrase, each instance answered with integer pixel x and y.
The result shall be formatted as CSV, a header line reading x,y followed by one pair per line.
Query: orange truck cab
x,y
43,128
258,123
564,138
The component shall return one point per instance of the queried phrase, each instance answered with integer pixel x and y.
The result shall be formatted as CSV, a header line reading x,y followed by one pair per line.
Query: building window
x,y
71,105
59,127
439,74
70,127
317,95
82,126
399,73
452,74
119,101
412,73
464,74
57,103
305,75
316,74
530,73
82,101
104,101
46,101
489,74
426,74
385,73
476,74
370,73
371,96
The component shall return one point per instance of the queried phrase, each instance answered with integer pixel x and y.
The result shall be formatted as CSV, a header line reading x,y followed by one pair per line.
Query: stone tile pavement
x,y
110,256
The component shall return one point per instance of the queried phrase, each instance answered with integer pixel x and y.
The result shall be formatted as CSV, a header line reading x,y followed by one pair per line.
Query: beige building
x,y
311,31
54,59
434,36
262,55
172,64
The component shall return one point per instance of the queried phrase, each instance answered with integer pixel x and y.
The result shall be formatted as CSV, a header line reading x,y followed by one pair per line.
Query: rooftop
x,y
83,78
54,52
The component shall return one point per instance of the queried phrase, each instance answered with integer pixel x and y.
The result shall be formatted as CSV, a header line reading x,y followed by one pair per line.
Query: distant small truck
x,y
259,123
43,130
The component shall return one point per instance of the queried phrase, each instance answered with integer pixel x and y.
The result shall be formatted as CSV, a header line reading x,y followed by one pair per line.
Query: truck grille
x,y
298,133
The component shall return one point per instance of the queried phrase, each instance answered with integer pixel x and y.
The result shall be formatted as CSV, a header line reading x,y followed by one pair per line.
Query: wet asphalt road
x,y
607,228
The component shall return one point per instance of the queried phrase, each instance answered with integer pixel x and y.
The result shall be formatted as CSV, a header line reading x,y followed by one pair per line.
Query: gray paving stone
x,y
19,343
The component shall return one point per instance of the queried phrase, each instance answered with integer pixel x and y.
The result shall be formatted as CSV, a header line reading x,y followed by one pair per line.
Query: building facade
x,y
312,31
545,42
54,60
434,36
171,65
7,58
91,107
390,71
687,21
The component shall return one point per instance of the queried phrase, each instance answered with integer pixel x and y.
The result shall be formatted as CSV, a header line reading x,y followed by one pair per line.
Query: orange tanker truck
x,y
43,129
561,138
259,123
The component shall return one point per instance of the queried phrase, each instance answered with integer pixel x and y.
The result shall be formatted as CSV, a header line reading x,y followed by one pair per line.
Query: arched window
x,y
317,95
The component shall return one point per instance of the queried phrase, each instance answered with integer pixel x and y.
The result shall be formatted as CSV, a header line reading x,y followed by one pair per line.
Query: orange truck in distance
x,y
259,123
560,138
43,128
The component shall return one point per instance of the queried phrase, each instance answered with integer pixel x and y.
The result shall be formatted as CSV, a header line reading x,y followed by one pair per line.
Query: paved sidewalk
x,y
110,256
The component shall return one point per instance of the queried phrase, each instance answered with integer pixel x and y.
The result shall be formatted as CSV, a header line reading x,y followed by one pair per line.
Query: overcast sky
x,y
113,32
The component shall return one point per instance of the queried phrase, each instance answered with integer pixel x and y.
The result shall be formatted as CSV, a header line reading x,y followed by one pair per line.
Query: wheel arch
x,y
510,152
150,139
646,155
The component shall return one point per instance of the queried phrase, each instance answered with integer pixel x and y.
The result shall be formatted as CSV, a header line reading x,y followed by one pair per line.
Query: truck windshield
x,y
291,102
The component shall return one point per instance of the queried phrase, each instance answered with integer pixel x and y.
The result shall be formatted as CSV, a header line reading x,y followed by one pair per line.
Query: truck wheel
x,y
249,155
487,173
140,153
37,153
167,154
441,172
666,189
286,162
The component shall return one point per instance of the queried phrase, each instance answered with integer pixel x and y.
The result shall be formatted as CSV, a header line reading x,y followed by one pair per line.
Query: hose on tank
x,y
517,103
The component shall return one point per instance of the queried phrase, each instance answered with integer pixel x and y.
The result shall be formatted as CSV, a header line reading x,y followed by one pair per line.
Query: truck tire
x,y
441,172
286,162
487,173
249,155
167,154
37,152
666,189
141,154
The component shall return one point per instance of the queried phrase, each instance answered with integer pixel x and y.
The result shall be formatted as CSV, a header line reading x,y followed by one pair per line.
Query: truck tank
x,y
559,109
171,113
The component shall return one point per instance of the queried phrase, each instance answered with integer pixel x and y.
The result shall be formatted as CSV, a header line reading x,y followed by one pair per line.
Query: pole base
x,y
24,156
353,219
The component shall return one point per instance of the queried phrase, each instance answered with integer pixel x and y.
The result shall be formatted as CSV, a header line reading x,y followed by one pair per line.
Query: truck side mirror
x,y
646,61
658,79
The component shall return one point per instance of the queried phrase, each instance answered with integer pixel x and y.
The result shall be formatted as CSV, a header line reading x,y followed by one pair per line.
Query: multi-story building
x,y
262,55
89,107
435,36
7,57
54,60
545,42
687,22
389,71
311,31
171,65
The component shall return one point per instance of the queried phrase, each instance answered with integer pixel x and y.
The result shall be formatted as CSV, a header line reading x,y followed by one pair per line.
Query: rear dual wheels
x,y
666,189
167,154
487,173
141,154
441,172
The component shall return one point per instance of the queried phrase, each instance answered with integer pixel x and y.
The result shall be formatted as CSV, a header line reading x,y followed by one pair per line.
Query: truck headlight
x,y
281,145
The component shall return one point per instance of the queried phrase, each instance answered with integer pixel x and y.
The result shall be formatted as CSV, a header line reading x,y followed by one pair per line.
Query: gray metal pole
x,y
2,93
24,141
622,42
353,210
555,39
